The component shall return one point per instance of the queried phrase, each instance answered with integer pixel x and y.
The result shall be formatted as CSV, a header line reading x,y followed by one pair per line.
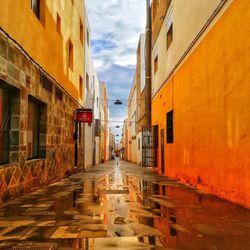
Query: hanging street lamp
x,y
118,102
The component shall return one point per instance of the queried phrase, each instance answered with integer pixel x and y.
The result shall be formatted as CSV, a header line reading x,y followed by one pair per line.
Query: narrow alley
x,y
124,124
120,205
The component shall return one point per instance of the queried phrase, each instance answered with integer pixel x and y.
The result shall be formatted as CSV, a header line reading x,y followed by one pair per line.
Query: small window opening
x,y
156,64
80,87
170,36
70,54
58,24
81,32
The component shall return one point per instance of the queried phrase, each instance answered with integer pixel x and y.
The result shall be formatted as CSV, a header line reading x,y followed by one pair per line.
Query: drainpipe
x,y
148,65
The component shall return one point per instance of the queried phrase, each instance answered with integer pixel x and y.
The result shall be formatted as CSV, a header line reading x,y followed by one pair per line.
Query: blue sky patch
x,y
99,45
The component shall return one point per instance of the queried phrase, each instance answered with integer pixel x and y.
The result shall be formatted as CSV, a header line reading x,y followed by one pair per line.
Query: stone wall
x,y
21,176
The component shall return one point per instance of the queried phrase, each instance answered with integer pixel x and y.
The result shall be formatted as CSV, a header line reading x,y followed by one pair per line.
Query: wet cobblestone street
x,y
123,206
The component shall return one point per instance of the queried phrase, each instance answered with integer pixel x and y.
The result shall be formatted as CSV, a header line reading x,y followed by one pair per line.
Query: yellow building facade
x,y
104,112
45,40
132,118
125,140
41,86
140,78
200,95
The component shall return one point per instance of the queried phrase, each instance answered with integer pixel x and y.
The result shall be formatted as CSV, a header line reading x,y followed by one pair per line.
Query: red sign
x,y
84,115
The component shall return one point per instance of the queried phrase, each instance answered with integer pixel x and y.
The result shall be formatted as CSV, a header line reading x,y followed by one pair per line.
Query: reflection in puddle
x,y
123,206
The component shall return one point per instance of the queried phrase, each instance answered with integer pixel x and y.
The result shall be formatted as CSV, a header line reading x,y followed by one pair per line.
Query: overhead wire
x,y
117,121
25,53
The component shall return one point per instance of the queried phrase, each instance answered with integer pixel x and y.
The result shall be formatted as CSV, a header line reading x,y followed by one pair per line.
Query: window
x,y
58,94
97,127
97,102
169,28
70,54
38,7
46,83
35,6
88,37
33,130
58,24
87,81
139,144
36,135
80,87
156,64
156,135
4,125
81,32
170,127
80,134
170,36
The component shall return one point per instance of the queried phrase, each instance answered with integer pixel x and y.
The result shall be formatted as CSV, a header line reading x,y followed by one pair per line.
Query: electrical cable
x,y
25,53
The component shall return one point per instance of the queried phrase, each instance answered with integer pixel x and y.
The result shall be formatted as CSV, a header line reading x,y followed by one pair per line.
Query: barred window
x,y
47,84
58,94
36,136
4,125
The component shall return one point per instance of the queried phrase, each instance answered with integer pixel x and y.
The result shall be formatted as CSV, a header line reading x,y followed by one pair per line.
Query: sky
x,y
115,29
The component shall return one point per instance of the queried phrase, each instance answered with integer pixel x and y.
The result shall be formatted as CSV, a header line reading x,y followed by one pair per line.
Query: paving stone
x,y
52,214
66,232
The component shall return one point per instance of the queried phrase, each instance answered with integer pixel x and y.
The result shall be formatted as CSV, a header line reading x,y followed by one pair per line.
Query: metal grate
x,y
46,83
148,148
58,93
29,247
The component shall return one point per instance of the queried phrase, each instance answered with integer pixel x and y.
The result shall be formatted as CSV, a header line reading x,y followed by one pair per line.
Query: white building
x,y
91,131
141,82
97,121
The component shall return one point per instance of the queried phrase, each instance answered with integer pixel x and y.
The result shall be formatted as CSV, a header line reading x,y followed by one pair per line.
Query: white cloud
x,y
113,122
115,29
120,22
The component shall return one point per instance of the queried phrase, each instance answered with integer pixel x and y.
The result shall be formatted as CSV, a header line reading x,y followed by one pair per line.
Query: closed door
x,y
162,152
76,144
156,146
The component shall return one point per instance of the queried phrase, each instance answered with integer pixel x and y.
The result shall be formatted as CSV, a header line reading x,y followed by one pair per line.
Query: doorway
x,y
156,145
76,145
162,152
147,147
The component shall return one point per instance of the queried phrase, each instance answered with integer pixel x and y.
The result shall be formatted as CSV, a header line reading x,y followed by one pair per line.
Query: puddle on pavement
x,y
123,206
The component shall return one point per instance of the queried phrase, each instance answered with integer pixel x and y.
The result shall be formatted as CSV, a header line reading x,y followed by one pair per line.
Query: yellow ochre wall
x,y
42,41
188,19
132,142
210,96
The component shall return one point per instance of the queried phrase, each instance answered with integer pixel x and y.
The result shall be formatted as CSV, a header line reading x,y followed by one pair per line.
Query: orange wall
x,y
210,95
42,42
